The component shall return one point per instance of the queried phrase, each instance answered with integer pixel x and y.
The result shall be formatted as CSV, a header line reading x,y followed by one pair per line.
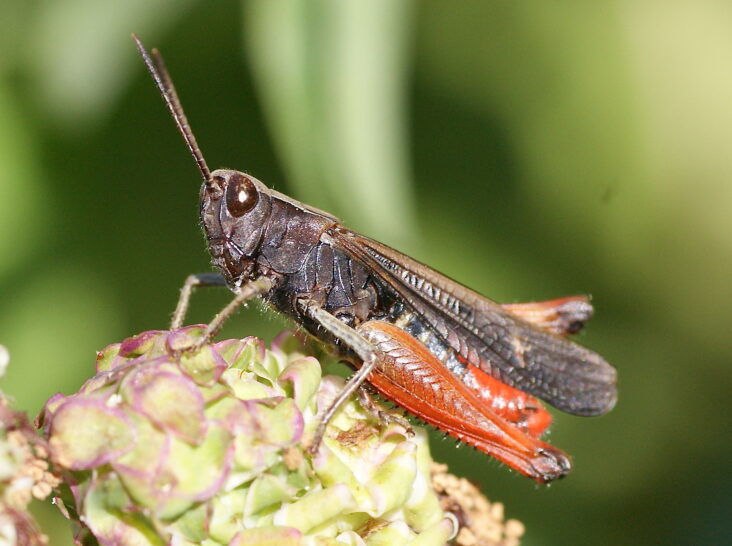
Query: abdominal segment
x,y
511,404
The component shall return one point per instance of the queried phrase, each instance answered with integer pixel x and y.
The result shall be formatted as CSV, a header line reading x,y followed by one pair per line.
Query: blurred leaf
x,y
24,213
332,77
77,55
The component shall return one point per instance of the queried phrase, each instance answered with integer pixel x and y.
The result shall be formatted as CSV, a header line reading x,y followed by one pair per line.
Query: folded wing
x,y
484,334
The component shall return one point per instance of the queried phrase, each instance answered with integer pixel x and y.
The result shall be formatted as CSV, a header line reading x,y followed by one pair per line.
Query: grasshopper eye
x,y
241,196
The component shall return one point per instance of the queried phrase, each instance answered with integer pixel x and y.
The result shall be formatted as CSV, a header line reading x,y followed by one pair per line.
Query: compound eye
x,y
241,196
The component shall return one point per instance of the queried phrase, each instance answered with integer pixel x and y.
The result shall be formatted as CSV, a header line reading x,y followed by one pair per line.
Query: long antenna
x,y
160,74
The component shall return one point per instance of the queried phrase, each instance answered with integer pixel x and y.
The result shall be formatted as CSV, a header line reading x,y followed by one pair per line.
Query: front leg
x,y
252,289
191,282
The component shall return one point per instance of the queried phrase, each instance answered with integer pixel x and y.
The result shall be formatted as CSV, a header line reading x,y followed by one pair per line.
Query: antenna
x,y
160,74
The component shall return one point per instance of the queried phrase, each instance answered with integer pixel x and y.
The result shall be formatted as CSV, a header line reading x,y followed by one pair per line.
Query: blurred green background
x,y
530,149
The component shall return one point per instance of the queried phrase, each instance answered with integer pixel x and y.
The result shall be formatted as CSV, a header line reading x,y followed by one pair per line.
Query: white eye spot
x,y
242,196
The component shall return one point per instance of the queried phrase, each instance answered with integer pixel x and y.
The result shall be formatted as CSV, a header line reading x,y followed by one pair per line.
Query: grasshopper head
x,y
234,211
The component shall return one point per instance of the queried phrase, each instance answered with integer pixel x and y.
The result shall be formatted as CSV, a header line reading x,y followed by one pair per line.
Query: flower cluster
x,y
24,473
165,446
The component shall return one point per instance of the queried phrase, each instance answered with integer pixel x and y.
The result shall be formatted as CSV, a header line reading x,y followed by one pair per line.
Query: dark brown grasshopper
x,y
457,360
